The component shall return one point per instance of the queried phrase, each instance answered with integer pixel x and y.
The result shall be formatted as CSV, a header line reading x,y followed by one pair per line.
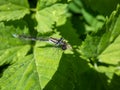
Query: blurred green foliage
x,y
91,28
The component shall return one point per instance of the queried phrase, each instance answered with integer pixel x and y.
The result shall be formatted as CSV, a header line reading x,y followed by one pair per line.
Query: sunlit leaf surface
x,y
9,8
50,16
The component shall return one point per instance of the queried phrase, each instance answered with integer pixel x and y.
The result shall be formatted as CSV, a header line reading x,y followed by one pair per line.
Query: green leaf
x,y
48,16
107,6
110,40
10,10
96,43
114,85
8,55
111,54
94,22
89,46
39,68
47,61
75,74
110,30
6,37
45,3
116,30
12,55
21,75
27,68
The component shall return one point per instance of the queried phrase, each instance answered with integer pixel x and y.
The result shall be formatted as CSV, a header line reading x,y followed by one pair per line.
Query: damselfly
x,y
58,42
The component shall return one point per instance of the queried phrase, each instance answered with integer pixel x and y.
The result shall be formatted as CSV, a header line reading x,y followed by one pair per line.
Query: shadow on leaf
x,y
3,68
74,73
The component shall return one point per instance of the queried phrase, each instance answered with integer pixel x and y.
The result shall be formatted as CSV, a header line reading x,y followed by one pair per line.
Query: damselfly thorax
x,y
57,42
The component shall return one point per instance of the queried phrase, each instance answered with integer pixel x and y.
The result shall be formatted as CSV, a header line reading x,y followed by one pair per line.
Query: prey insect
x,y
57,42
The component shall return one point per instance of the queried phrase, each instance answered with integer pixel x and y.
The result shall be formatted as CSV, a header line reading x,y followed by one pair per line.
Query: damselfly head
x,y
64,47
60,43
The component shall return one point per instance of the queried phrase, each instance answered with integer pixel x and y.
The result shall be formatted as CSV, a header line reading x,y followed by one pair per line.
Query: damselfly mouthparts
x,y
58,42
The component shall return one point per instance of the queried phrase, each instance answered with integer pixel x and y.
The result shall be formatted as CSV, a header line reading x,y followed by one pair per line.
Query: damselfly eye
x,y
64,47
